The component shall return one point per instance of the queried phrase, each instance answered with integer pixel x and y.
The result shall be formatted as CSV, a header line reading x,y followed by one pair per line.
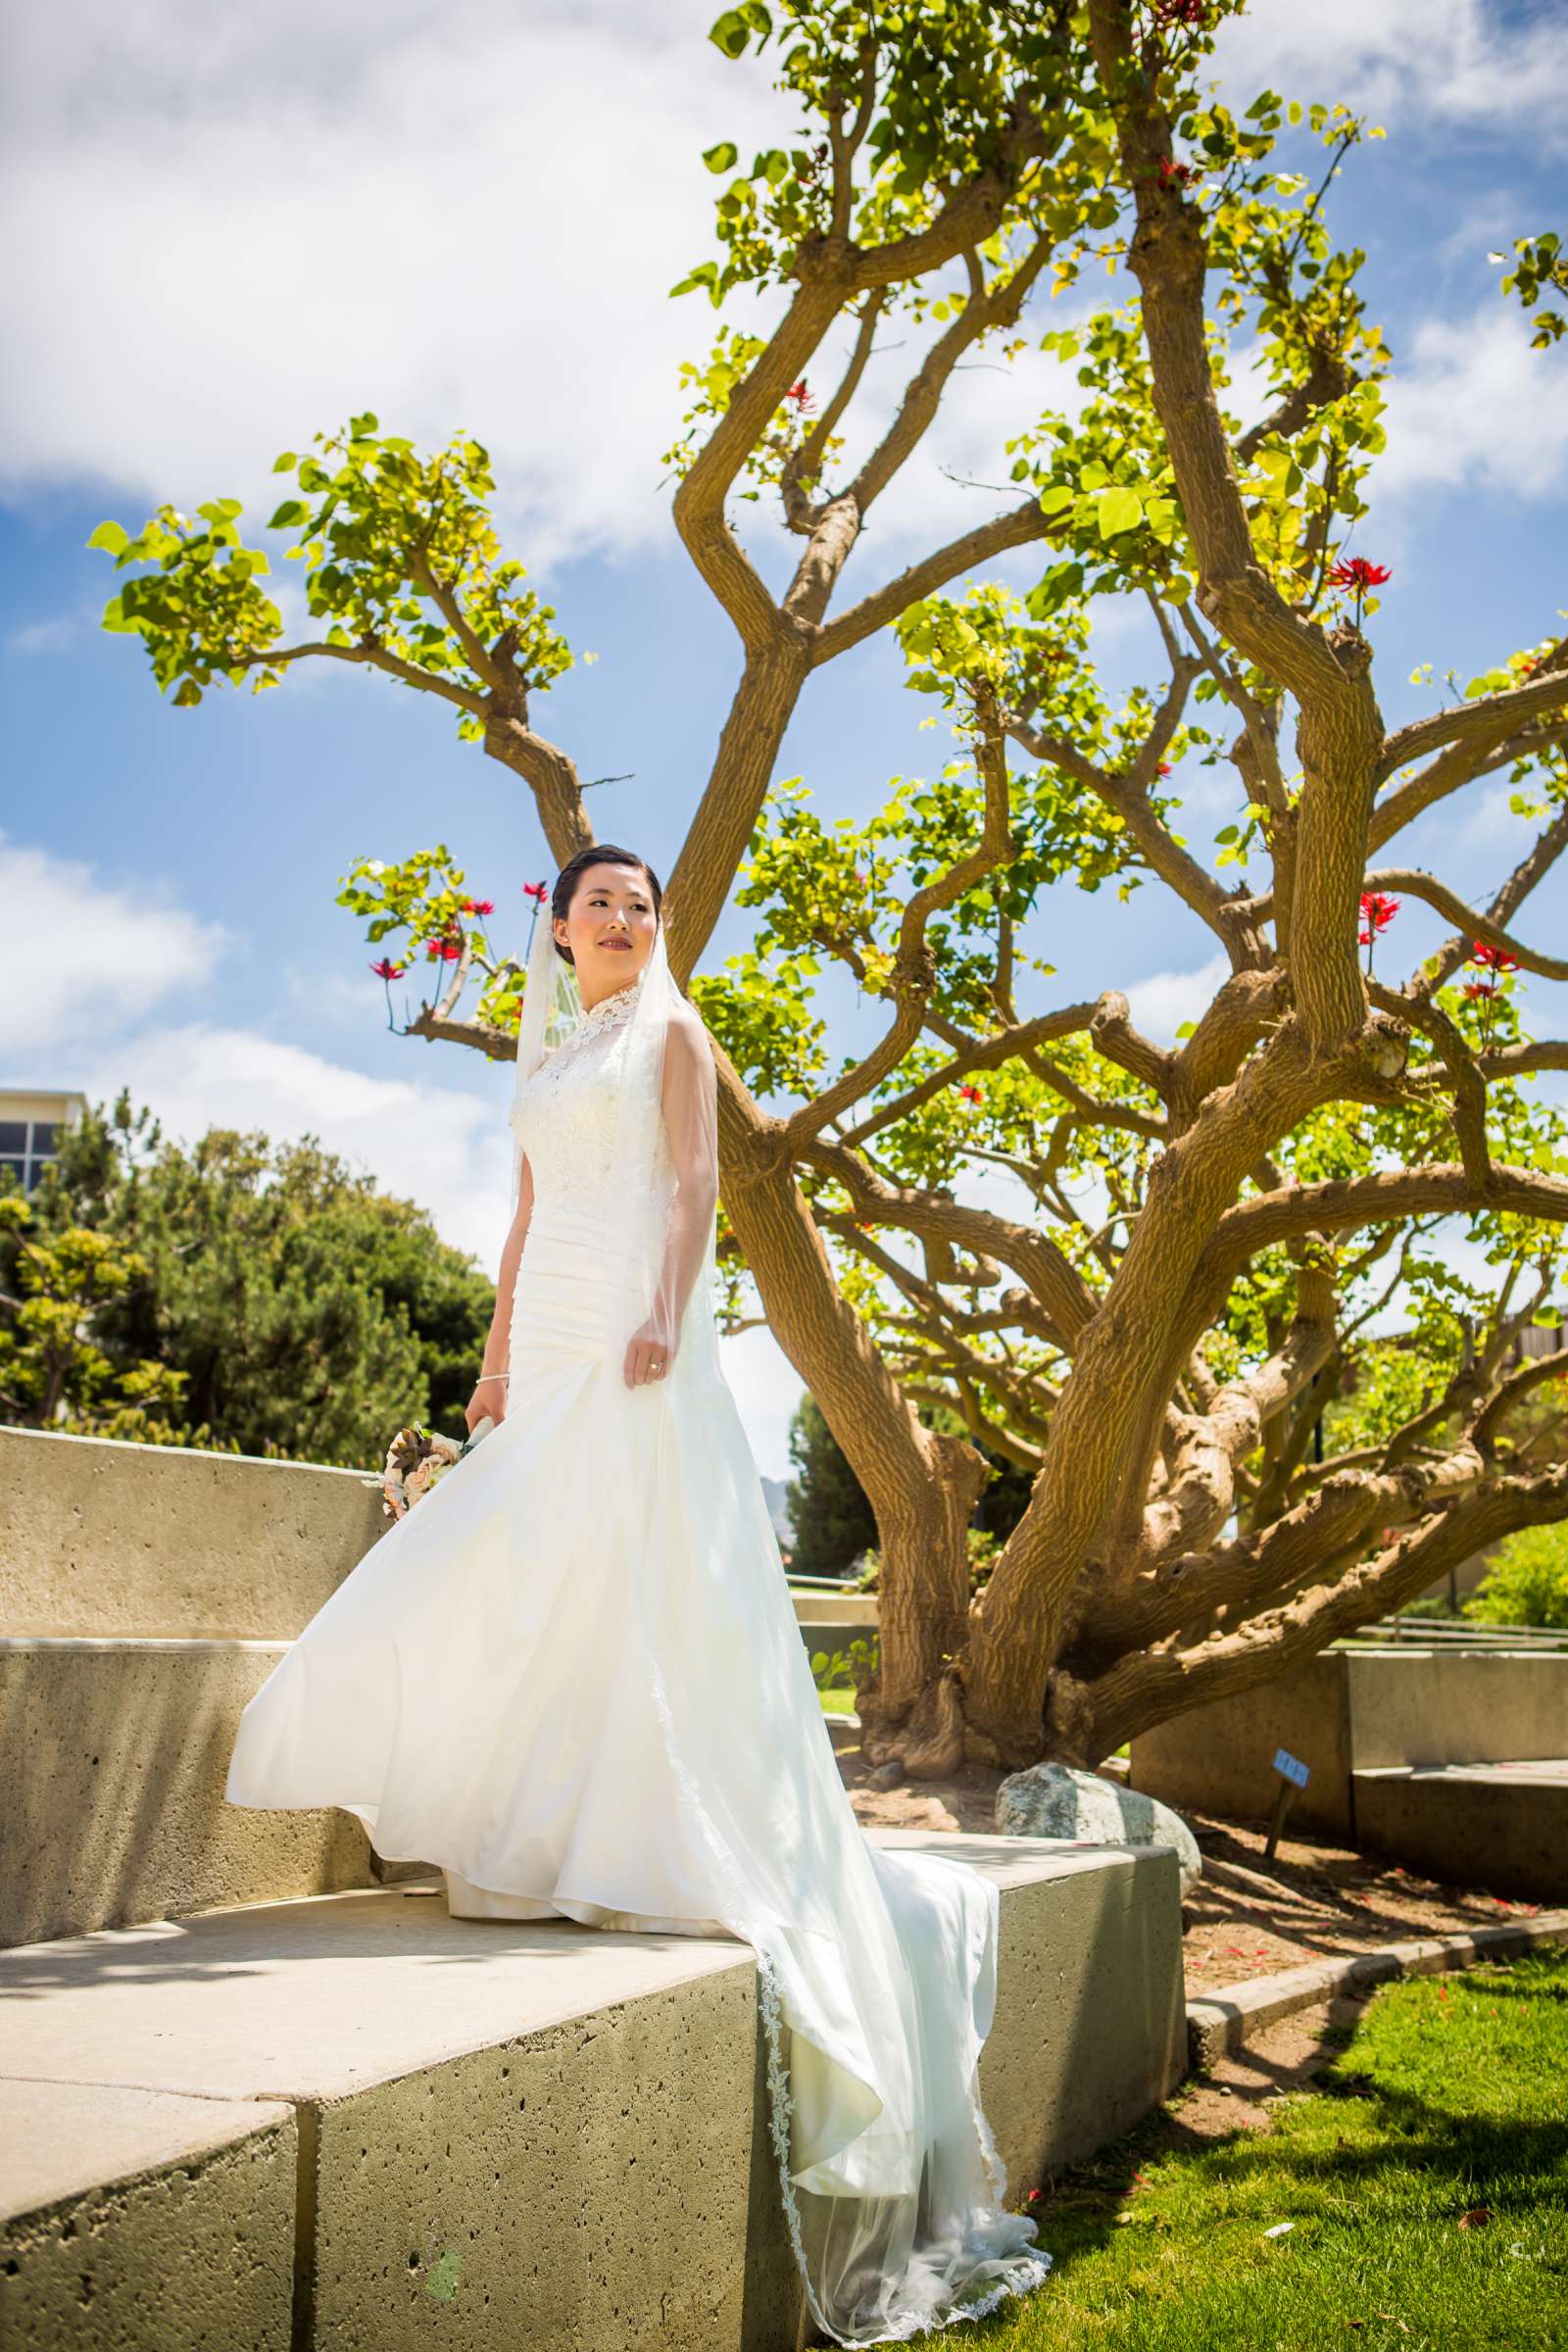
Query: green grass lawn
x,y
837,1702
1452,2098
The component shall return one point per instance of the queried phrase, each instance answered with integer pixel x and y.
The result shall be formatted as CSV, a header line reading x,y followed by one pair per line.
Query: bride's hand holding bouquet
x,y
419,1456
488,1402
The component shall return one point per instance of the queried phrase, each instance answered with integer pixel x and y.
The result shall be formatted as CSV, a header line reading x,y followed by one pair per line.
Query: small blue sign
x,y
1291,1768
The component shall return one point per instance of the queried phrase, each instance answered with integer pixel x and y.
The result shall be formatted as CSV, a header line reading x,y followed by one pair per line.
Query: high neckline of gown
x,y
619,1000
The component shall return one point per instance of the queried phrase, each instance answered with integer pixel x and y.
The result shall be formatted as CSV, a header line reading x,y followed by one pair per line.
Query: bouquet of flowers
x,y
418,1458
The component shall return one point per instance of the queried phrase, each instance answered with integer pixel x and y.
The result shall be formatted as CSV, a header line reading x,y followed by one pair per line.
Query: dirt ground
x,y
1239,2091
1246,1918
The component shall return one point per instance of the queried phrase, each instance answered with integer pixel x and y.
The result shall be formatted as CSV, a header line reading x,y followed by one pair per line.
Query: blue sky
x,y
225,234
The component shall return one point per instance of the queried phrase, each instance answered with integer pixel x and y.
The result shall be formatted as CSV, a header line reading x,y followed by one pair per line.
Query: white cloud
x,y
446,1148
1471,404
1162,1002
1421,61
98,958
462,217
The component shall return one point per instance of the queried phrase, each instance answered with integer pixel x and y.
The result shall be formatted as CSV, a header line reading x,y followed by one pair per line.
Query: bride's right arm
x,y
490,1390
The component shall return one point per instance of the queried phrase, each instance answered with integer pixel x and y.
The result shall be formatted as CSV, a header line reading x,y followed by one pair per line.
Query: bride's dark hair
x,y
601,854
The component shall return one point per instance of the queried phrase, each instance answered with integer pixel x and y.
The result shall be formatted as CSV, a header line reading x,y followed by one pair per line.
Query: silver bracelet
x,y
484,1376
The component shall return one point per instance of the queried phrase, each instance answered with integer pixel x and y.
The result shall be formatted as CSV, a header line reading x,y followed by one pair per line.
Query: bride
x,y
573,1677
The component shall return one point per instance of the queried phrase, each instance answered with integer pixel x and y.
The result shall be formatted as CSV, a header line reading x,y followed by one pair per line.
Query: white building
x,y
30,1125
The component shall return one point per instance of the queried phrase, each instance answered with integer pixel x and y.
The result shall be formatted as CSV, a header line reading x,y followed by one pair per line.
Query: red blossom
x,y
387,969
1163,768
479,905
1492,960
1378,911
971,1093
1173,174
1181,11
1476,990
536,890
446,951
1354,571
803,403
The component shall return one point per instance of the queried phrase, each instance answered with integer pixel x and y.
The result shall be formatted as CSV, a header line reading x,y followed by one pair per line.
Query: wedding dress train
x,y
572,1676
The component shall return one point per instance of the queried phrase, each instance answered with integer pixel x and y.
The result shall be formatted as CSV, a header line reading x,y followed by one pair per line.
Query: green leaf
x,y
1120,510
721,157
704,275
292,511
112,537
736,25
286,462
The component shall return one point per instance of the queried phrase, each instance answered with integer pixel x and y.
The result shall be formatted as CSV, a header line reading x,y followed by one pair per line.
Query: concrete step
x,y
351,2121
1501,1825
116,1752
114,1755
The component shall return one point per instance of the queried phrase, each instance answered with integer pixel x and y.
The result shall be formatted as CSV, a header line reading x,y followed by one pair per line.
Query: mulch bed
x,y
1246,1918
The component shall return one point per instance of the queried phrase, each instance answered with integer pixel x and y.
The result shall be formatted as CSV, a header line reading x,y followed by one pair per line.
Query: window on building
x,y
27,1149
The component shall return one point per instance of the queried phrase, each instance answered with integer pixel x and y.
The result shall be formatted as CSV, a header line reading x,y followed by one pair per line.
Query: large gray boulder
x,y
1053,1801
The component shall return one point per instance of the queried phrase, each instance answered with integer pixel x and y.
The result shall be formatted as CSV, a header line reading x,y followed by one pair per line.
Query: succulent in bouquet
x,y
416,1460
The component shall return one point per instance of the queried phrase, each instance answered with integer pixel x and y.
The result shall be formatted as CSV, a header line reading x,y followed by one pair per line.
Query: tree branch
x,y
1016,530
915,970
1489,717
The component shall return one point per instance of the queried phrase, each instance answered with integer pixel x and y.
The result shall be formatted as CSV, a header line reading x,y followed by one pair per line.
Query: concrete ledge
x,y
1348,1711
1503,1826
1227,2019
102,1538
115,1754
124,2187
517,2127
854,1614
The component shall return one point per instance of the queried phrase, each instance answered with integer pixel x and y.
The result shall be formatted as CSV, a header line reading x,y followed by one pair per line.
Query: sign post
x,y
1294,1775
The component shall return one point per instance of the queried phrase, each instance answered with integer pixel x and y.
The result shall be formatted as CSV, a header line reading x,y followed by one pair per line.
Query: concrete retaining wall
x,y
1217,1757
101,1539
1350,1710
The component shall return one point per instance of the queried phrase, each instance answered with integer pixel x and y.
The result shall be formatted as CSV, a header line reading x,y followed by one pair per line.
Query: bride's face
x,y
609,928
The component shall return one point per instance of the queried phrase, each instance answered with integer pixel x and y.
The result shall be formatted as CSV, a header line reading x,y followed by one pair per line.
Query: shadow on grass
x,y
1462,2159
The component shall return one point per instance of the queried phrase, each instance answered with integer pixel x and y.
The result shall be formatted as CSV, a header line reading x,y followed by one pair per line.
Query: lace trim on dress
x,y
619,1001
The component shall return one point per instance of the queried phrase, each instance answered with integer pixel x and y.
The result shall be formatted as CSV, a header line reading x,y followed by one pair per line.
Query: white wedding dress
x,y
572,1676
